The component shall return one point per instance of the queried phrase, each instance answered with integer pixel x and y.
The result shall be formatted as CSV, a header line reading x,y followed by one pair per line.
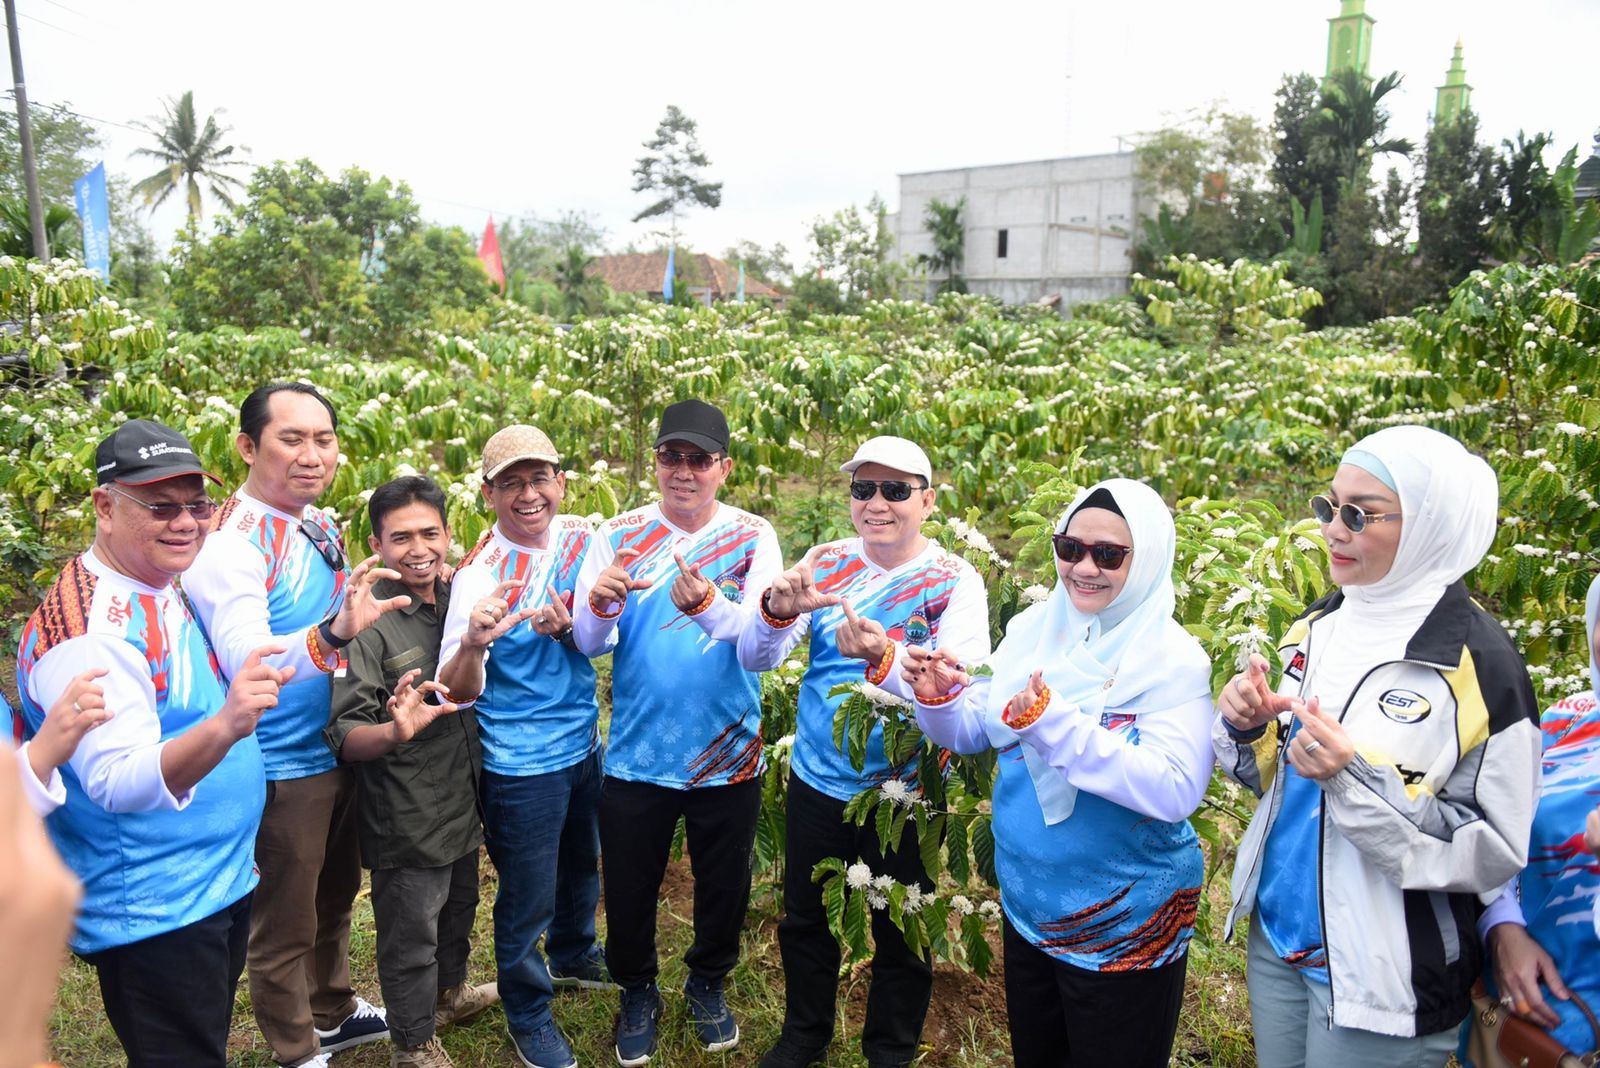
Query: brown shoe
x,y
462,1002
428,1055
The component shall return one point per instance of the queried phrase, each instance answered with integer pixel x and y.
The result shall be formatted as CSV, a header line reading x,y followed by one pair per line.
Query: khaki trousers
x,y
299,958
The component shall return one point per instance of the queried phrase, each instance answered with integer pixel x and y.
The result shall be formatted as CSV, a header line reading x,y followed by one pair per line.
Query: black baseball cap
x,y
142,451
696,422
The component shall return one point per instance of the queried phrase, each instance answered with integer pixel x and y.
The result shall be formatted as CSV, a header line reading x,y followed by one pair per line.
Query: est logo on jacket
x,y
1404,706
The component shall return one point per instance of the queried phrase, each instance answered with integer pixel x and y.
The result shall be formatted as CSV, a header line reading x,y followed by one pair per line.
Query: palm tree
x,y
578,287
1354,121
189,153
948,231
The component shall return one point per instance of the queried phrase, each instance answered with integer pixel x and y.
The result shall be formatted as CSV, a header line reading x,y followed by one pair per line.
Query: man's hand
x,y
689,589
252,692
492,617
860,639
931,674
552,618
1320,749
1247,702
1519,964
795,592
360,608
409,707
80,709
616,582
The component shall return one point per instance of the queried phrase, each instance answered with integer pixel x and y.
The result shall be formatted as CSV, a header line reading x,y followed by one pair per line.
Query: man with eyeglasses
x,y
861,600
508,648
668,588
162,799
274,571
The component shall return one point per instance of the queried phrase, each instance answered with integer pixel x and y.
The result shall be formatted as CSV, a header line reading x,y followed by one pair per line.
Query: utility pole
x,y
30,173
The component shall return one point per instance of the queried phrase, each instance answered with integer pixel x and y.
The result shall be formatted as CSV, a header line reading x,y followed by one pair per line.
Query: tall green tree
x,y
1355,123
1302,161
1526,194
582,293
771,264
673,171
853,251
64,148
948,230
1456,201
190,153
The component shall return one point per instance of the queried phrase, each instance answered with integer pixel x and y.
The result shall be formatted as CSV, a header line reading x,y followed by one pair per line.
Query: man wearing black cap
x,y
164,798
668,587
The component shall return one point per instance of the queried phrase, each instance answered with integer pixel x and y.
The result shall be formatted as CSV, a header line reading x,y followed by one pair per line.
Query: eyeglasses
x,y
326,547
864,489
1355,519
515,486
1107,556
167,511
669,459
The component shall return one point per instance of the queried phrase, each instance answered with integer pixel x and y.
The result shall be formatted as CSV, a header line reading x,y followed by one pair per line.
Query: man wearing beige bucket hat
x,y
508,647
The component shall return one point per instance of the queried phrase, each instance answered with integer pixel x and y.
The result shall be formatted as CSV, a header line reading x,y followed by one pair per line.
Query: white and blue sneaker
x,y
366,1024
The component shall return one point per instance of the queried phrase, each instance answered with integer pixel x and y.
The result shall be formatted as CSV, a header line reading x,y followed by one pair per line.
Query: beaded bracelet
x,y
711,595
594,607
876,673
1031,713
935,702
314,650
773,621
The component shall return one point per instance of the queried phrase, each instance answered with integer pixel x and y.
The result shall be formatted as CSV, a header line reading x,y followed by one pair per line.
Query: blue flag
x,y
90,194
740,297
666,279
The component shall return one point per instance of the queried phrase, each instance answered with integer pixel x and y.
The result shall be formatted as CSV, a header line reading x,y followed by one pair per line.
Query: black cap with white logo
x,y
141,451
696,422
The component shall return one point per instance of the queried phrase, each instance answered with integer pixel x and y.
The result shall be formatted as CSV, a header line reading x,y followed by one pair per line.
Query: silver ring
x,y
1312,746
539,618
76,707
1507,1002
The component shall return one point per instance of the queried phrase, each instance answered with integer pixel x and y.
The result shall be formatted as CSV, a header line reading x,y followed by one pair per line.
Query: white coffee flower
x,y
858,876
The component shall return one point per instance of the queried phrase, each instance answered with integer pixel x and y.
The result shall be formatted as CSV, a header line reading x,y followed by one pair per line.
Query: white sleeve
x,y
963,630
762,646
592,635
228,586
470,585
42,798
119,762
724,620
1164,776
1503,909
958,725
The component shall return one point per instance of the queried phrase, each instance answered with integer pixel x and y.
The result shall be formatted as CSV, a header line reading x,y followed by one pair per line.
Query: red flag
x,y
489,253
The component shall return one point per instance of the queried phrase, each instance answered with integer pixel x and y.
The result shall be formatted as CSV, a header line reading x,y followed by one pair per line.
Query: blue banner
x,y
666,279
90,193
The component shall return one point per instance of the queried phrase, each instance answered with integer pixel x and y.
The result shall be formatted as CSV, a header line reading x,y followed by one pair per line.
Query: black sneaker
x,y
636,1025
714,1025
787,1054
588,974
366,1024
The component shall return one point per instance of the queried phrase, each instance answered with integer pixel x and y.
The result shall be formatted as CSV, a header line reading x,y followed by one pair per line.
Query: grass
x,y
966,1025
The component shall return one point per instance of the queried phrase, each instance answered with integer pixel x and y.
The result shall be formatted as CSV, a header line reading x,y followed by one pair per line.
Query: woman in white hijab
x,y
1099,707
1396,761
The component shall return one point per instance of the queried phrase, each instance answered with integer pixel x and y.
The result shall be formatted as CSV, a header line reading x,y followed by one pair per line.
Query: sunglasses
x,y
326,547
1106,555
167,511
697,461
864,489
1355,519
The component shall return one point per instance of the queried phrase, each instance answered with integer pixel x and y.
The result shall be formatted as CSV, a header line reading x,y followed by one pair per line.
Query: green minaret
x,y
1455,95
1350,38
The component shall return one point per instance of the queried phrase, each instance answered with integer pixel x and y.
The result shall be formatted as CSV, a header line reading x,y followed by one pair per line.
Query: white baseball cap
x,y
892,452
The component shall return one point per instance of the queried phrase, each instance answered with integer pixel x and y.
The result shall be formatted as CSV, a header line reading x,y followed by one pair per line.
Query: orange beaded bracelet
x,y
711,595
771,620
876,673
1031,713
595,608
314,650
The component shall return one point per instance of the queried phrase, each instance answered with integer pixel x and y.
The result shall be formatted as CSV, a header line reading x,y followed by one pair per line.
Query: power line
x,y
64,7
53,26
77,114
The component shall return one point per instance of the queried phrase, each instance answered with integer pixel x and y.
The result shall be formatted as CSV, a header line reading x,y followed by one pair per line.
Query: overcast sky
x,y
514,108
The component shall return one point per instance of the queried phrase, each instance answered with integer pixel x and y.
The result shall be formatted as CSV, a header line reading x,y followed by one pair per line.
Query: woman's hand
x,y
1519,964
931,674
1247,702
1320,749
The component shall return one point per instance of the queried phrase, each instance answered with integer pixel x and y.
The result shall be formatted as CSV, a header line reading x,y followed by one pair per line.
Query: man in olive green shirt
x,y
415,757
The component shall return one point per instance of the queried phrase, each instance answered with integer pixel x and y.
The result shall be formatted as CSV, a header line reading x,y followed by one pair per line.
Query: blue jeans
x,y
543,834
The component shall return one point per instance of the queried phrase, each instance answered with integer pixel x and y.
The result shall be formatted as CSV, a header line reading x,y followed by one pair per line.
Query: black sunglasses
x,y
326,547
167,511
1355,519
697,461
864,489
1107,556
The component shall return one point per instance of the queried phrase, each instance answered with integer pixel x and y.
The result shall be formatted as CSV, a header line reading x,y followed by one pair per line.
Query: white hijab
x,y
1132,655
1449,504
1591,614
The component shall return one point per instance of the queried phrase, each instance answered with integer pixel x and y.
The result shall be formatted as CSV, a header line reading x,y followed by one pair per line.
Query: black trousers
x,y
897,1000
636,824
1067,1017
424,921
170,998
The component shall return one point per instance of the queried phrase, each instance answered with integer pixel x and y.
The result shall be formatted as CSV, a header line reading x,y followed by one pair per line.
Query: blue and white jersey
x,y
150,862
684,712
934,600
259,580
537,712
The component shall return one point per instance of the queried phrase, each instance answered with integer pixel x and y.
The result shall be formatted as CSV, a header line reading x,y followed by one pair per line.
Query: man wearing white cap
x,y
508,647
862,599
